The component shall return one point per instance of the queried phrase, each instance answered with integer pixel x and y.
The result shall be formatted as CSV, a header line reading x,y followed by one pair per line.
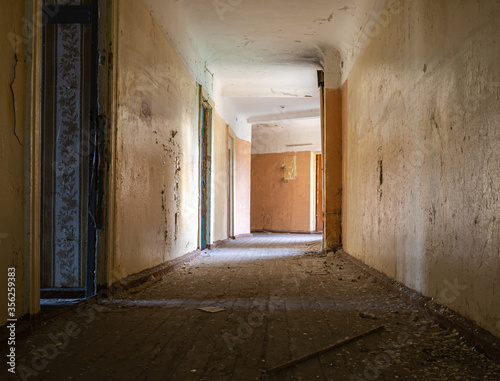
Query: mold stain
x,y
146,113
380,170
329,19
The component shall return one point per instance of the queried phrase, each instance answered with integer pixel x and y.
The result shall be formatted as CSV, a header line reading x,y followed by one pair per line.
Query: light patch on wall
x,y
290,168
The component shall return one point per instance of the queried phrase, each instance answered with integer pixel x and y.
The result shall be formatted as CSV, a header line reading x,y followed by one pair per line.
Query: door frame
x,y
205,198
318,189
230,184
85,16
33,194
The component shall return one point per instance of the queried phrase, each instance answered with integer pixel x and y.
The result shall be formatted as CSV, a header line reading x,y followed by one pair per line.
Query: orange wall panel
x,y
345,163
333,168
278,205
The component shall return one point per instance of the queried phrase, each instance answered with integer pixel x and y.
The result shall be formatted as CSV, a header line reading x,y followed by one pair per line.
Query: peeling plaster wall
x,y
345,163
157,147
278,205
220,179
13,97
422,185
158,152
242,167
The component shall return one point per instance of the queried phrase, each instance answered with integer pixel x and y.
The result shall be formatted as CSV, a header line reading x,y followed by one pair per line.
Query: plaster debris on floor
x,y
274,313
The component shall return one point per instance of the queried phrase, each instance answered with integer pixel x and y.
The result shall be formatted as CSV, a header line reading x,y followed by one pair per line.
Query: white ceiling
x,y
243,50
264,109
287,136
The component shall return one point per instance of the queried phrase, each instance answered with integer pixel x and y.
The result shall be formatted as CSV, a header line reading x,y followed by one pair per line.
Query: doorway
x,y
205,172
230,183
319,193
70,153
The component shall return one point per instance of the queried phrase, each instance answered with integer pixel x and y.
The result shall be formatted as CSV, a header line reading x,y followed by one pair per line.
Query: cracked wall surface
x,y
157,147
421,183
12,151
158,152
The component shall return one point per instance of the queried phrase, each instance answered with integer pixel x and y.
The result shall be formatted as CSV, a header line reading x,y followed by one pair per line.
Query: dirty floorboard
x,y
281,299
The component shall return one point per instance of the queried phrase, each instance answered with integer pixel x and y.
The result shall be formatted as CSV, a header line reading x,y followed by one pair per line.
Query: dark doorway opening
x,y
230,185
319,193
205,172
70,154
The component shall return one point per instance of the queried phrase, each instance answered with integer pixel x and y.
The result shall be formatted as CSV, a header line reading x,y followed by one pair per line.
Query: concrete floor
x,y
281,300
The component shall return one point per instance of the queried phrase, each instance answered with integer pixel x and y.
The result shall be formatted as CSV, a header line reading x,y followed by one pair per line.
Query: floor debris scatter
x,y
273,311
324,350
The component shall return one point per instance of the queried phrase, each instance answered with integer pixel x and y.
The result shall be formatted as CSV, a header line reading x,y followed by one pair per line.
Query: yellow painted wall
x,y
423,139
158,154
157,147
12,153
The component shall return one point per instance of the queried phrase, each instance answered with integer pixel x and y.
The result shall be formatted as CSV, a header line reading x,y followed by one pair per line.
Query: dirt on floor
x,y
274,298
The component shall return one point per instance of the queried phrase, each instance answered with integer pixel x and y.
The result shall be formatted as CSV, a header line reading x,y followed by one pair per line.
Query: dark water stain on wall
x,y
380,171
146,113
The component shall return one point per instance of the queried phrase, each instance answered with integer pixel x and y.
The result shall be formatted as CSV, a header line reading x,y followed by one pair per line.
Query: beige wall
x,y
12,154
423,120
157,147
158,153
278,205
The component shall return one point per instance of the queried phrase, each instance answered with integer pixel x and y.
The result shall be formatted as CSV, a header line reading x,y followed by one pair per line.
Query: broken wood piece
x,y
324,350
212,310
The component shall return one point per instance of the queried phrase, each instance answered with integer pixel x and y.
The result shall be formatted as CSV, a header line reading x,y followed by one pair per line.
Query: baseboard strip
x,y
480,338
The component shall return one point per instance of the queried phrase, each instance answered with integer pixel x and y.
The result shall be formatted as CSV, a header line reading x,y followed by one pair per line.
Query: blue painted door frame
x,y
205,175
